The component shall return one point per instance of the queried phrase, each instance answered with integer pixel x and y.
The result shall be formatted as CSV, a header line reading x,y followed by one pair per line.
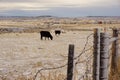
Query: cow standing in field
x,y
57,32
100,22
46,34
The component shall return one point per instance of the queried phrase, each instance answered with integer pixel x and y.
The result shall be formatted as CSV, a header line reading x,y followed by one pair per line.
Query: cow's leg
x,y
41,37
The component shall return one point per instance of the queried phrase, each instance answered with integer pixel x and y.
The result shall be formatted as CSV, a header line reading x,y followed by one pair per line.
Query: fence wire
x,y
76,58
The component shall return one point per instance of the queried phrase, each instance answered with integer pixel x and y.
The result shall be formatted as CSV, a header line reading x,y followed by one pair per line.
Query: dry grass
x,y
23,53
37,64
115,74
51,75
119,66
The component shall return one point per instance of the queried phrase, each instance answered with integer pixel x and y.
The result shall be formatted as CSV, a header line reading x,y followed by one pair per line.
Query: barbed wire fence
x,y
115,55
100,64
106,55
77,58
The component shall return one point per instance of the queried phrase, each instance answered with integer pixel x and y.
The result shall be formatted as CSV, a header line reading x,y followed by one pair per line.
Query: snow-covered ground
x,y
25,53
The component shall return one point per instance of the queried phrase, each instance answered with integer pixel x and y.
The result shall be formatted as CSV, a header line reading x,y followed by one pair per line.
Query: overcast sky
x,y
63,8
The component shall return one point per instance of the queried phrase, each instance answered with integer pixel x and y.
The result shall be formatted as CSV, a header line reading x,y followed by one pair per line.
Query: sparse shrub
x,y
37,64
116,75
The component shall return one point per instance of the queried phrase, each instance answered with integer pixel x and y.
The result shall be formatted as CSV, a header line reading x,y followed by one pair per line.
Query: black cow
x,y
57,32
100,22
45,34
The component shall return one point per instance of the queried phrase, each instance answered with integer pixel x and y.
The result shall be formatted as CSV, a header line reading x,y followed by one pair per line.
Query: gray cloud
x,y
18,0
59,7
67,12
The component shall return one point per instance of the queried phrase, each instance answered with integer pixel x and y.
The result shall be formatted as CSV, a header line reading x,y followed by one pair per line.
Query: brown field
x,y
23,54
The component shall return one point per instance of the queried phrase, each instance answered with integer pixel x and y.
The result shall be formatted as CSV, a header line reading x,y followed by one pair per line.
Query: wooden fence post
x,y
104,56
70,62
115,53
96,54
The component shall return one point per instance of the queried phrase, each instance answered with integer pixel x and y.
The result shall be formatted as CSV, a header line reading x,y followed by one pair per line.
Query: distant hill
x,y
105,16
